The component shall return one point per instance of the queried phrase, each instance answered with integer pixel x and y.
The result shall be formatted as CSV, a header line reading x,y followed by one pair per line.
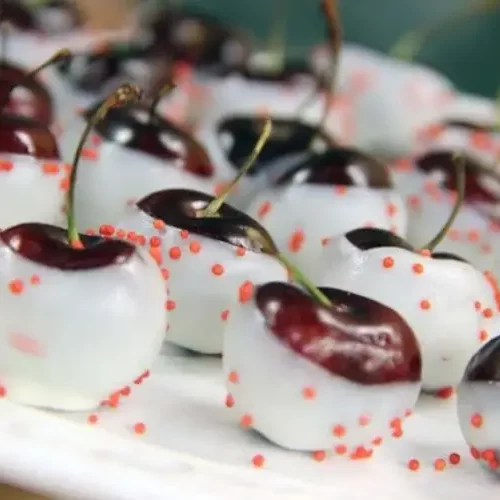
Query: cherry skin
x,y
485,364
25,136
48,245
365,334
133,127
339,166
445,163
288,137
40,97
182,208
18,15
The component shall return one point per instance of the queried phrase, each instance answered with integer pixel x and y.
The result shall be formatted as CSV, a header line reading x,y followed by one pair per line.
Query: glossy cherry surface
x,y
48,245
25,136
357,338
485,364
288,137
339,166
133,127
40,99
445,163
182,208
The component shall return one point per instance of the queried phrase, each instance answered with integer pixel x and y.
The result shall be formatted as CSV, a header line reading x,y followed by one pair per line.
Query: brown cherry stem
x,y
411,43
334,29
212,209
164,90
58,57
460,161
124,94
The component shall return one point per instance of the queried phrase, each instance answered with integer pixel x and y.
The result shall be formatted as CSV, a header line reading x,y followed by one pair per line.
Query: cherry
x,y
289,136
183,208
339,166
26,136
135,127
485,365
198,39
48,245
368,238
356,338
476,189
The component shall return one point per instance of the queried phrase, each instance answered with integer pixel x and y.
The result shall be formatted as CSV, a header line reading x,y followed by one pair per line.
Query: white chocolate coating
x,y
437,299
301,218
203,296
270,384
30,190
75,337
116,177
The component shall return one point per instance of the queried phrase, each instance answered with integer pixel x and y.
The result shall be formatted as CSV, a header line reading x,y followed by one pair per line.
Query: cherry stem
x,y
305,282
212,209
164,90
334,28
58,57
460,162
123,95
411,43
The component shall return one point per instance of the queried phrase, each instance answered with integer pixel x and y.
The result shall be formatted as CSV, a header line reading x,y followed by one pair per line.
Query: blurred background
x,y
467,51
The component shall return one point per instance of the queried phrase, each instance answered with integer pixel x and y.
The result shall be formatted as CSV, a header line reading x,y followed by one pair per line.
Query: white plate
x,y
192,449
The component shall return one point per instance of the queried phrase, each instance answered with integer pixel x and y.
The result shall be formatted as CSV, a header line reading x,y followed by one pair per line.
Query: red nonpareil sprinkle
x,y
139,428
319,455
454,458
229,401
16,287
92,419
439,464
258,461
413,464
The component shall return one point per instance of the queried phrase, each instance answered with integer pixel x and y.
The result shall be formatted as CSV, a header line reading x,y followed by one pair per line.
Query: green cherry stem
x,y
460,162
58,57
212,209
411,43
162,92
300,278
124,94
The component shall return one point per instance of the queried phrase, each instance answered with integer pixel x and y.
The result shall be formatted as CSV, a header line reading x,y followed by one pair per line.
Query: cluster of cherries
x,y
304,277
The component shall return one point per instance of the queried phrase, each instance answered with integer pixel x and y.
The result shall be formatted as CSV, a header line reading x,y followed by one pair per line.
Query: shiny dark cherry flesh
x,y
365,333
485,364
181,208
367,238
133,127
48,245
339,166
288,137
41,99
25,136
445,162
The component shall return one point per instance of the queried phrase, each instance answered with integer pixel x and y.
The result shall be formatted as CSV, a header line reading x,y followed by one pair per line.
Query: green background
x,y
468,53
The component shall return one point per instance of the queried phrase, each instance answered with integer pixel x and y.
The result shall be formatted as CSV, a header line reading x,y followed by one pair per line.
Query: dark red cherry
x,y
198,39
367,238
238,137
356,338
48,245
476,181
183,208
339,166
38,98
135,128
485,364
18,15
25,136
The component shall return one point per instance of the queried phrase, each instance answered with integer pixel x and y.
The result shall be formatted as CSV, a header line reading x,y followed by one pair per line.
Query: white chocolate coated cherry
x,y
206,278
424,291
72,337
